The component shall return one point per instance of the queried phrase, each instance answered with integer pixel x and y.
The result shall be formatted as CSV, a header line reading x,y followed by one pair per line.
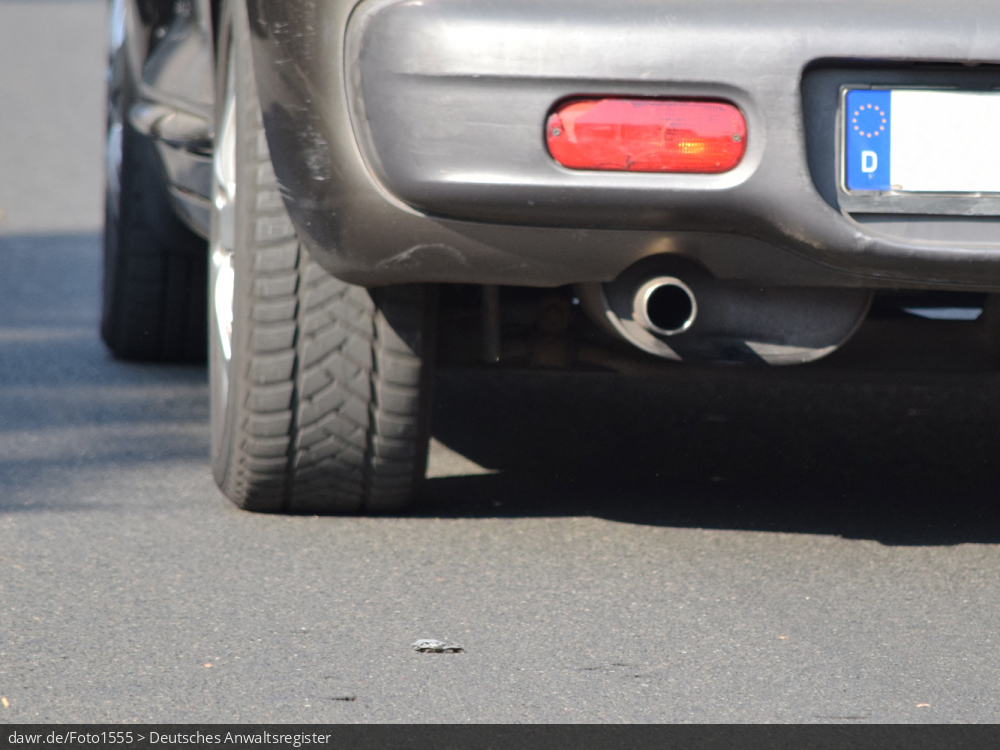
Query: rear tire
x,y
320,389
154,265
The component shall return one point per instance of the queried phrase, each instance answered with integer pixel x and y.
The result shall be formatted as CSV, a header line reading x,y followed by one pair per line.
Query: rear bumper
x,y
409,137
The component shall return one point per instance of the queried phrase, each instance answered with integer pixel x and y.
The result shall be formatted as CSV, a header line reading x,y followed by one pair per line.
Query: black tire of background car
x,y
155,274
328,406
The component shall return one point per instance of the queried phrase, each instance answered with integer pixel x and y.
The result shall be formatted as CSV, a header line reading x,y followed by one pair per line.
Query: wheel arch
x,y
169,55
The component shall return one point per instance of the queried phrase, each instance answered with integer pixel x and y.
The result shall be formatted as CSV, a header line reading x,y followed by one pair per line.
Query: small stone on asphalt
x,y
431,646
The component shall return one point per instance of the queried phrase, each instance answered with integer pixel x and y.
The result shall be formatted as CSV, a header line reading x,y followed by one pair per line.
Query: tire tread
x,y
155,277
334,417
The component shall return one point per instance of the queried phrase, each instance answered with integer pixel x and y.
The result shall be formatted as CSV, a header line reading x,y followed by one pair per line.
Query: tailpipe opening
x,y
665,305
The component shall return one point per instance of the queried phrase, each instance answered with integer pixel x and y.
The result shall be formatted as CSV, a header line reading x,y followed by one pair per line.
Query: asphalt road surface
x,y
811,545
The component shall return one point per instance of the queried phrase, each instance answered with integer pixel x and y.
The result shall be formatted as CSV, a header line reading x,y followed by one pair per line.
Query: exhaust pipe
x,y
665,305
650,302
672,307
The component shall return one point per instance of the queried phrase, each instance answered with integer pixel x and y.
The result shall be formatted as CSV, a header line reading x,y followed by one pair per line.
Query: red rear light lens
x,y
647,135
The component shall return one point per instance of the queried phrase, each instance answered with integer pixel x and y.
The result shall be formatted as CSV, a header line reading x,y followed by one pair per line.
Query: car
x,y
330,196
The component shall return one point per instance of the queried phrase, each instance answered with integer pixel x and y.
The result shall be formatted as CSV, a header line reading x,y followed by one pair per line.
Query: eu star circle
x,y
869,120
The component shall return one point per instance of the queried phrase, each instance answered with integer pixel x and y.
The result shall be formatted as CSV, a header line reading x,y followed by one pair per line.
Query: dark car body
x,y
408,137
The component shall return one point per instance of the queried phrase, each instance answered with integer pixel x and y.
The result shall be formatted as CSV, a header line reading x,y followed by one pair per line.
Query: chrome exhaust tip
x,y
665,305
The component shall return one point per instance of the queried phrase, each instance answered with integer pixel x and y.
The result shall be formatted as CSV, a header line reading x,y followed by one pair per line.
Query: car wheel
x,y
154,265
320,390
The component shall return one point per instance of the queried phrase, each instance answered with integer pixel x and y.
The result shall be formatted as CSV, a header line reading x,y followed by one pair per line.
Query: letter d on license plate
x,y
920,141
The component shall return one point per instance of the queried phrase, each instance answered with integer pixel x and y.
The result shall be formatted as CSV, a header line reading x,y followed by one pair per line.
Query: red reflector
x,y
647,135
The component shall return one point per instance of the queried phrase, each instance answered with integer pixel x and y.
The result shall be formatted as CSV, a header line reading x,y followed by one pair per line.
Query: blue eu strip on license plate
x,y
922,141
869,133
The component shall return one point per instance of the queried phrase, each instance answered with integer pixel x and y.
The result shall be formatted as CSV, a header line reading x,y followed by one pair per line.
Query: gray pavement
x,y
51,114
812,545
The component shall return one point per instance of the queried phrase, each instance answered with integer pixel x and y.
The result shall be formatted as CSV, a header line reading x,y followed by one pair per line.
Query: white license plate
x,y
919,141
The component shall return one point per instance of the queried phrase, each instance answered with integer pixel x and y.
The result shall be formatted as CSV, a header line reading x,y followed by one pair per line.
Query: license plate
x,y
920,141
